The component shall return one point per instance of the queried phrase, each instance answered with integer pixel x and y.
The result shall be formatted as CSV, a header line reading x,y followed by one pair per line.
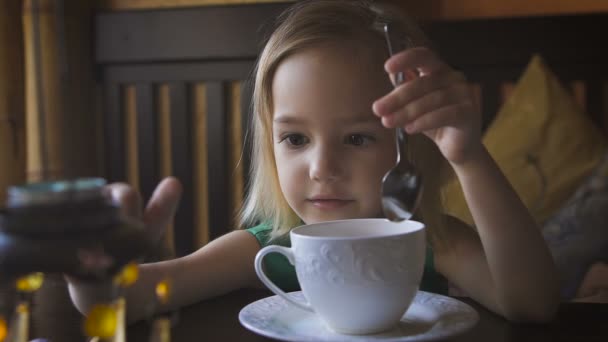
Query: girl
x,y
324,118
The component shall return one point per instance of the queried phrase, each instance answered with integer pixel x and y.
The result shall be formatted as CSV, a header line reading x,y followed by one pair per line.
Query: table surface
x,y
217,320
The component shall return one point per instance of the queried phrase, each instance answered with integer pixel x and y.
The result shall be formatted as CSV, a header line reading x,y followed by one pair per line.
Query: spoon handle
x,y
401,141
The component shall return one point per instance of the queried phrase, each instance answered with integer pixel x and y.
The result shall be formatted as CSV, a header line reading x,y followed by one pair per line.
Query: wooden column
x,y
12,141
43,93
59,98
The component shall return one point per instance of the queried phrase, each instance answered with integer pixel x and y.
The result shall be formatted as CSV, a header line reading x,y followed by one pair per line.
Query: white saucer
x,y
430,317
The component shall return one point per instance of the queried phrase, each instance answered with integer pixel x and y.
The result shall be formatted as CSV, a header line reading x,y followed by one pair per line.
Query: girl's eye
x,y
294,139
358,140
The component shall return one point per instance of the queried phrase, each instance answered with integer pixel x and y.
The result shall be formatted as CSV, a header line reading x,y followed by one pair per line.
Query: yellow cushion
x,y
542,141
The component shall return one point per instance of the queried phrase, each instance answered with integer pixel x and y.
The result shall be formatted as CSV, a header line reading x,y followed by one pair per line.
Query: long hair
x,y
310,24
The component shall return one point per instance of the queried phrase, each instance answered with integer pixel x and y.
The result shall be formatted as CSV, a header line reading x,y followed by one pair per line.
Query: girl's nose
x,y
325,165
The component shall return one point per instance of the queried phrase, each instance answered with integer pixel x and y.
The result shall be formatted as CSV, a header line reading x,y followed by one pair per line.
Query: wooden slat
x,y
235,142
147,142
181,156
217,162
165,150
114,133
130,136
161,34
164,129
200,158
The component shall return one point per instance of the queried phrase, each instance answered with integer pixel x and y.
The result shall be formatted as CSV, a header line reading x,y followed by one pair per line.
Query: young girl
x,y
324,117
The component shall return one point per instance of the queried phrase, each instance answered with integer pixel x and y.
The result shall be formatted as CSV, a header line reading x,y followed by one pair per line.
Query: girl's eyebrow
x,y
286,118
359,119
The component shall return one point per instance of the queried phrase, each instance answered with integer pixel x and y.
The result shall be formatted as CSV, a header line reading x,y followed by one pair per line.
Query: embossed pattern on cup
x,y
337,264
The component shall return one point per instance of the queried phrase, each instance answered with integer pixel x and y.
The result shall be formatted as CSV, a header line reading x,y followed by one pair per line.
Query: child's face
x,y
331,151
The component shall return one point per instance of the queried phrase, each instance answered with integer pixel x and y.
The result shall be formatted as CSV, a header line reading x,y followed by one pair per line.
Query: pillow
x,y
542,141
577,235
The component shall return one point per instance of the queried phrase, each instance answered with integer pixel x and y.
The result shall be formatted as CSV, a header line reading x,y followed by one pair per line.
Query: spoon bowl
x,y
401,186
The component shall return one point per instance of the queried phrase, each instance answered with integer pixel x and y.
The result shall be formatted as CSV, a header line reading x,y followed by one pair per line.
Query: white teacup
x,y
358,275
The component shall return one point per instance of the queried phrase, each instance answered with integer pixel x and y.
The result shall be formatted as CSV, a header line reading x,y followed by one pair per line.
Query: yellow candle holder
x,y
161,327
101,321
19,327
107,321
3,329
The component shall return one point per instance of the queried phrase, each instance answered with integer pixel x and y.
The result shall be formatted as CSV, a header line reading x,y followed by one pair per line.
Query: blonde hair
x,y
310,24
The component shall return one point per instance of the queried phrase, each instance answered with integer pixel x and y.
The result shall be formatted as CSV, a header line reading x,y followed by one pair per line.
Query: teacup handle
x,y
288,253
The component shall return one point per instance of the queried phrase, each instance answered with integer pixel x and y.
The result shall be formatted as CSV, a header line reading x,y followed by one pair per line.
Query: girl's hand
x,y
594,287
156,217
160,210
439,104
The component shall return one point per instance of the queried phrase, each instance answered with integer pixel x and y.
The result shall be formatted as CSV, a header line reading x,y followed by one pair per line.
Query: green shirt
x,y
283,273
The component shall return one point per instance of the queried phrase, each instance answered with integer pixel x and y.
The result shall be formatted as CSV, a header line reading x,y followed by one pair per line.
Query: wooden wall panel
x,y
183,120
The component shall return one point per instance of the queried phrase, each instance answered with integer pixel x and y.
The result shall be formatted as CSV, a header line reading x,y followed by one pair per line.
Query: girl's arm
x,y
223,265
507,265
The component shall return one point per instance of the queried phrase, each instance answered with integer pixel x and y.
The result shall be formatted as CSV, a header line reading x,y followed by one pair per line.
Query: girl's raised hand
x,y
438,103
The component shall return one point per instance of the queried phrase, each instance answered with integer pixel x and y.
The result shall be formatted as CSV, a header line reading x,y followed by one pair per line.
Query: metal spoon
x,y
401,185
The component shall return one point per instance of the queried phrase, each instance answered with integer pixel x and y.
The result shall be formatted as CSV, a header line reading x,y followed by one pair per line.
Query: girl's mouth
x,y
329,203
